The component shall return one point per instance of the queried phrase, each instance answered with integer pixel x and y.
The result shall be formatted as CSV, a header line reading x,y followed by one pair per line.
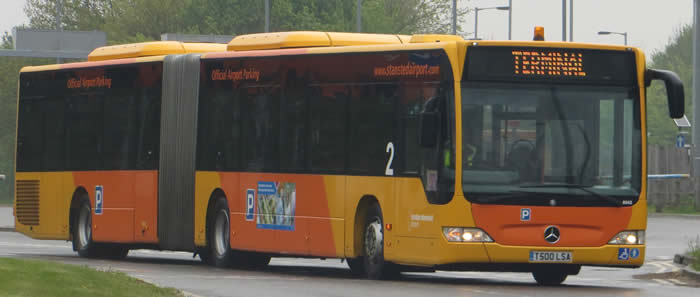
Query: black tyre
x,y
82,230
373,246
115,252
204,254
550,277
357,265
252,260
218,227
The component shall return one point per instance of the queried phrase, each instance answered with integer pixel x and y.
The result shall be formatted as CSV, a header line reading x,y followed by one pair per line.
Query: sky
x,y
649,23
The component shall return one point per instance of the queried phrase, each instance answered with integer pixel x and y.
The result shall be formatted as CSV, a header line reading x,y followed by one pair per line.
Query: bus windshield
x,y
554,144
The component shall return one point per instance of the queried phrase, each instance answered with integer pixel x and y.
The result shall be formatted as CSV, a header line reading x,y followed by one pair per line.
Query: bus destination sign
x,y
563,65
548,63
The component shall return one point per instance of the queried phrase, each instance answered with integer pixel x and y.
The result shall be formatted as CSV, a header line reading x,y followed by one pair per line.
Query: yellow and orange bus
x,y
396,153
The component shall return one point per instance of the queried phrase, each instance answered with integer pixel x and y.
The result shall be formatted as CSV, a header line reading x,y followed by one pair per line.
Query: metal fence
x,y
668,181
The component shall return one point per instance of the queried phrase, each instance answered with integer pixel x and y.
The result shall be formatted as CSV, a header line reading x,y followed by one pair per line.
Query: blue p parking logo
x,y
99,199
525,214
250,204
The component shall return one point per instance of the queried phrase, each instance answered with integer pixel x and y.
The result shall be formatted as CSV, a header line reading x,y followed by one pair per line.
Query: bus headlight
x,y
460,234
628,237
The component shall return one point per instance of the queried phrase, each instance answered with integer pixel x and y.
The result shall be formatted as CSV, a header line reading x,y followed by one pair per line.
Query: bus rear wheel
x,y
82,230
253,260
114,251
219,224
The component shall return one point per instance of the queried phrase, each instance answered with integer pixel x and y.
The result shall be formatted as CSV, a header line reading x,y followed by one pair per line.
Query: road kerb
x,y
690,272
7,229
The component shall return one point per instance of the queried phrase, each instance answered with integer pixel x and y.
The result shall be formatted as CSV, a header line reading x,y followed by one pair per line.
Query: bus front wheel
x,y
357,266
550,277
373,245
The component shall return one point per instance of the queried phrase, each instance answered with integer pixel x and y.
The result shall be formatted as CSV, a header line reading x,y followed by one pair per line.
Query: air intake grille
x,y
27,209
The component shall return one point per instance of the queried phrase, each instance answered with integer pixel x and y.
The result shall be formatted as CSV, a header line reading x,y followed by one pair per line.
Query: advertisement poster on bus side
x,y
276,205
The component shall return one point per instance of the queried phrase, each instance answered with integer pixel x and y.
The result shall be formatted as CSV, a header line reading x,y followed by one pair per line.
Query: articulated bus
x,y
393,152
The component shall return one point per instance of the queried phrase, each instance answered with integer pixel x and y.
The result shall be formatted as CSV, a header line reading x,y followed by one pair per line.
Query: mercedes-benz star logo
x,y
551,234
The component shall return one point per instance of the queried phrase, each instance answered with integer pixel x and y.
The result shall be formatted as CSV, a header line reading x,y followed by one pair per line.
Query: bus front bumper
x,y
458,254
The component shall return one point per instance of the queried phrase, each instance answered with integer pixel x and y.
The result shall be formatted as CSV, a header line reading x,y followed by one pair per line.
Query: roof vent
x,y
154,48
301,39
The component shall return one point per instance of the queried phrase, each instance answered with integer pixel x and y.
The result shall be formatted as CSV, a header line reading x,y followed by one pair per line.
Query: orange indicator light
x,y
539,34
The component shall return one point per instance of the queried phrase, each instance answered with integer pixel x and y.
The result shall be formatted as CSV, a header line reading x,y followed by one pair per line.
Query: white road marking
x,y
664,266
663,282
670,266
162,252
677,282
231,277
33,245
188,294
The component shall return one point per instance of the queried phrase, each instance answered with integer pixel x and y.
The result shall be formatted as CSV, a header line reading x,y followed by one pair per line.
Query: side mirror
x,y
428,128
674,90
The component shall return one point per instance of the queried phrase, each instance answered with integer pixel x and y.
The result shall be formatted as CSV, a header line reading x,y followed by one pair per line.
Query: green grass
x,y
19,278
694,250
696,265
684,206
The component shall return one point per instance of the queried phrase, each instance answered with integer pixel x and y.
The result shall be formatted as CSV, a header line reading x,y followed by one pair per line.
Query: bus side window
x,y
371,126
261,127
54,131
30,140
328,139
294,129
148,117
82,124
118,120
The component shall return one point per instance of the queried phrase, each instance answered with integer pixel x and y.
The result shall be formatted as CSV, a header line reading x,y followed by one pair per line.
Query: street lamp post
x,y
617,33
510,17
476,16
454,17
267,15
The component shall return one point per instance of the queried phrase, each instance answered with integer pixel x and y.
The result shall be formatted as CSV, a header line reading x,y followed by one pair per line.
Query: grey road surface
x,y
309,277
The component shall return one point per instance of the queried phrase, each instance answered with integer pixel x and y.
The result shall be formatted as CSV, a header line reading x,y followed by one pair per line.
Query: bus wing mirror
x,y
428,126
674,90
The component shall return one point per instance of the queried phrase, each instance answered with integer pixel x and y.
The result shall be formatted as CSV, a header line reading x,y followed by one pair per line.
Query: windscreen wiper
x,y
581,187
513,194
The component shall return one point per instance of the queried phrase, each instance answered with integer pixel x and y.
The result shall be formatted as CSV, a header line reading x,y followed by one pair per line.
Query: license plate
x,y
550,257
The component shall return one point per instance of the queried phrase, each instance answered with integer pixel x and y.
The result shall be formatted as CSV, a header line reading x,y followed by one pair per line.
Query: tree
x,y
677,56
6,41
139,20
75,14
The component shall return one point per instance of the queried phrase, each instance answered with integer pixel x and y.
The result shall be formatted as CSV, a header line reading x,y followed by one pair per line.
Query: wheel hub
x,y
221,234
374,240
84,226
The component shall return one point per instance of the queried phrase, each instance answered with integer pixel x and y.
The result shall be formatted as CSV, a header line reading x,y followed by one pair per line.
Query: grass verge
x,y
19,278
694,250
684,205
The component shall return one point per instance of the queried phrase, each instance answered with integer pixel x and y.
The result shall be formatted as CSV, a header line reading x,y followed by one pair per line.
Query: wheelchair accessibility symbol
x,y
624,254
